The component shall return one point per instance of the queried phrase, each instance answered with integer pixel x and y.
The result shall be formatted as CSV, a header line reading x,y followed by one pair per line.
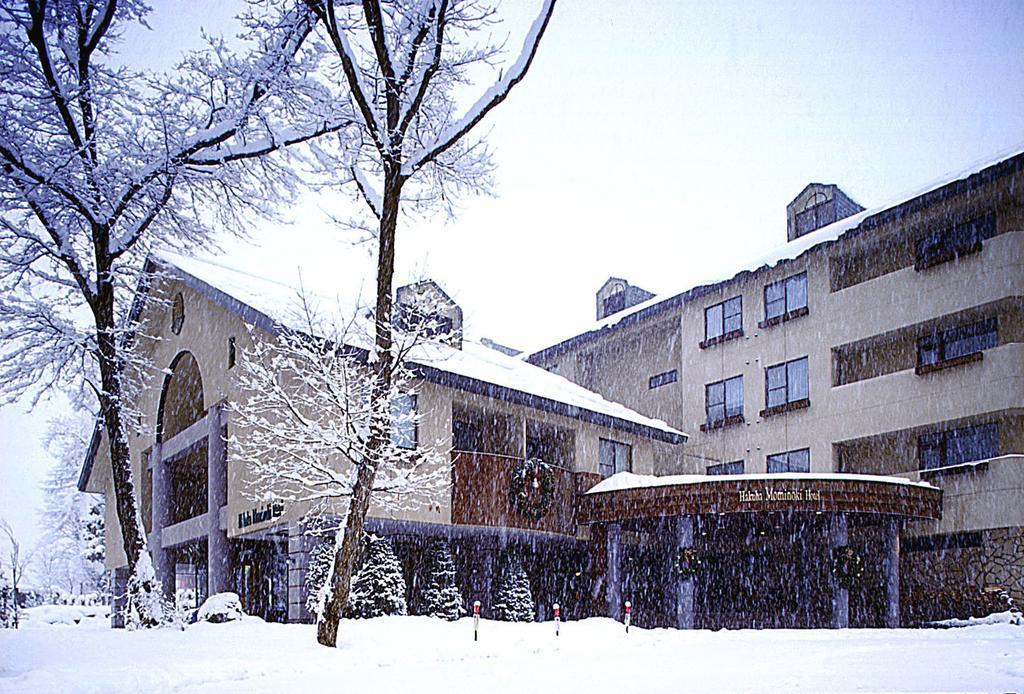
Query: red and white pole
x,y
558,619
629,608
476,620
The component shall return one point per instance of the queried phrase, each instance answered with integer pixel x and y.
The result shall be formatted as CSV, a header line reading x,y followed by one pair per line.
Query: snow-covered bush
x,y
319,567
54,614
222,607
378,588
440,596
923,607
513,601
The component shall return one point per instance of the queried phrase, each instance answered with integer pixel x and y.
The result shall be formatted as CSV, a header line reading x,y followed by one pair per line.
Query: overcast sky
x,y
660,142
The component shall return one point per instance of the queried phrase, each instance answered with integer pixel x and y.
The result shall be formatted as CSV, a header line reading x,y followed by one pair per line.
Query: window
x,y
723,321
231,352
403,421
956,343
724,402
785,386
663,379
785,299
614,303
790,461
958,446
614,457
177,314
951,243
733,468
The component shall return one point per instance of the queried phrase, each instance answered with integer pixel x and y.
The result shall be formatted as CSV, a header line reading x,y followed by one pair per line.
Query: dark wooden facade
x,y
480,495
782,494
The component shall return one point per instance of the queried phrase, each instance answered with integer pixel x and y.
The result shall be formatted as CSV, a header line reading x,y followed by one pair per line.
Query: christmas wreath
x,y
532,488
687,563
847,566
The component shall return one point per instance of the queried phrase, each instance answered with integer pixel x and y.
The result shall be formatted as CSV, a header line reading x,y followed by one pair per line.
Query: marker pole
x,y
558,620
629,608
476,620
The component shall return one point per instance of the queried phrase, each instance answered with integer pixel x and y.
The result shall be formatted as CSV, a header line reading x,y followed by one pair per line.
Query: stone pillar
x,y
614,571
298,564
838,536
217,551
163,560
891,573
682,539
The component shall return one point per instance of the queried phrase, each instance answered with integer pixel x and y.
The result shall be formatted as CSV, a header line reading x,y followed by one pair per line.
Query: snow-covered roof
x,y
629,480
699,286
269,303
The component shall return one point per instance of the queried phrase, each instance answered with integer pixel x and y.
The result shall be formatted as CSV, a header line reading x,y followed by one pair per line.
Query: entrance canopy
x,y
629,497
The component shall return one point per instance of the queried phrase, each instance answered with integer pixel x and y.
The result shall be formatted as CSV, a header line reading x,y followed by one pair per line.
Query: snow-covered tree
x,y
6,602
440,596
304,426
513,600
378,589
403,62
13,563
317,570
99,161
69,559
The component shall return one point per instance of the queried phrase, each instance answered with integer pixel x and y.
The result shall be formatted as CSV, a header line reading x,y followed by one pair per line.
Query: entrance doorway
x,y
261,579
762,571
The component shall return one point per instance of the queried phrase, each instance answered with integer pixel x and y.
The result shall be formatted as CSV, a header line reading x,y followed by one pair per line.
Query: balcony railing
x,y
481,485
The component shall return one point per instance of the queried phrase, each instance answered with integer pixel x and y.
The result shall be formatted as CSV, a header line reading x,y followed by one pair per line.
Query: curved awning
x,y
629,497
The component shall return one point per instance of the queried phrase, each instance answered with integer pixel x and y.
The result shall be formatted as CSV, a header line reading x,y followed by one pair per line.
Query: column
x,y
682,539
614,570
891,573
838,537
298,564
217,555
163,560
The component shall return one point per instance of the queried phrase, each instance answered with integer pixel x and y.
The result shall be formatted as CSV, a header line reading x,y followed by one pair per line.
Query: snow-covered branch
x,y
305,426
486,103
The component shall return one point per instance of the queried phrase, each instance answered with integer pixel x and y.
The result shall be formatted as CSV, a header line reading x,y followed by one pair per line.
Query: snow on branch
x,y
305,424
491,98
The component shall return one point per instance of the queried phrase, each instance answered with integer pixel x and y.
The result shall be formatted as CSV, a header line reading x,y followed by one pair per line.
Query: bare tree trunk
x,y
111,364
359,504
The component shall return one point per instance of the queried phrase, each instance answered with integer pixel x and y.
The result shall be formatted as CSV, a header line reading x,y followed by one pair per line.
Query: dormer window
x,y
815,199
615,303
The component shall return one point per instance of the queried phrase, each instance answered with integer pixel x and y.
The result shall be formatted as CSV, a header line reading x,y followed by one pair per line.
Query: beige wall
x,y
205,332
895,305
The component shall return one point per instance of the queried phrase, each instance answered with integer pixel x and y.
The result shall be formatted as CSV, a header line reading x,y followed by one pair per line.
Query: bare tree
x,y
17,561
304,424
403,62
98,162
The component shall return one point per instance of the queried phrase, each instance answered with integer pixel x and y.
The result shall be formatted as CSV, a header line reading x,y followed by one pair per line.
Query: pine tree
x,y
6,604
513,601
441,597
378,588
319,567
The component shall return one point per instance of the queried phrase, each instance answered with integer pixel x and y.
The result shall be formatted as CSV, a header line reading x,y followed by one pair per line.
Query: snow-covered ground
x,y
419,654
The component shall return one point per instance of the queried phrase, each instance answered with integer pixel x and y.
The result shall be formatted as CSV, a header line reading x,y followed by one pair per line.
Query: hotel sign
x,y
261,514
748,496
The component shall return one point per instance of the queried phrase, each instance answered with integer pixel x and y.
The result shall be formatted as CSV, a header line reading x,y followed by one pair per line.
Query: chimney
x,y
617,294
817,205
423,307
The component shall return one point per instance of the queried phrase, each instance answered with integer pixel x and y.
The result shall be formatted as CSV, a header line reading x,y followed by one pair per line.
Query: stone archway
x,y
181,398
